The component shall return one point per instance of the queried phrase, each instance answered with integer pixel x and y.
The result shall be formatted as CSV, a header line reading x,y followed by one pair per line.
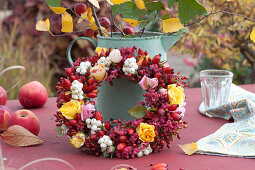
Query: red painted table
x,y
199,126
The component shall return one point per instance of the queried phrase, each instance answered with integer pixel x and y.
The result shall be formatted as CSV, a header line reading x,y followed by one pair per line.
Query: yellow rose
x,y
70,109
78,140
100,50
176,94
98,72
146,132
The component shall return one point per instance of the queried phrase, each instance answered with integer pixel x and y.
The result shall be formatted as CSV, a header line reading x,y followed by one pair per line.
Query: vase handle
x,y
68,51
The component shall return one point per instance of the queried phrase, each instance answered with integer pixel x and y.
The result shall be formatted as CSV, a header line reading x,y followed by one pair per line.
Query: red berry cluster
x,y
166,118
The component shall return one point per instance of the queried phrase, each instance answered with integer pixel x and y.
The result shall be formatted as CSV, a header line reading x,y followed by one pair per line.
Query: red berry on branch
x,y
156,59
66,84
80,8
161,112
98,116
168,70
73,122
92,95
73,78
107,126
121,146
91,81
68,71
173,107
158,75
176,116
101,133
85,88
130,131
123,138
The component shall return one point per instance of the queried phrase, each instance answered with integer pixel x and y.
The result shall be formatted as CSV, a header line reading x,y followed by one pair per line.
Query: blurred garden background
x,y
221,41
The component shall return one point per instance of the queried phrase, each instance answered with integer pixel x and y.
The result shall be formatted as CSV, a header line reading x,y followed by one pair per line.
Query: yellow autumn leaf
x,y
67,22
58,10
252,36
140,4
43,25
104,31
172,25
117,2
132,22
189,149
86,15
95,3
93,24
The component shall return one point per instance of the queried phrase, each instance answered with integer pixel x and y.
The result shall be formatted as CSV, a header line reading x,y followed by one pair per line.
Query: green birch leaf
x,y
170,3
188,9
58,129
138,111
155,5
54,3
166,16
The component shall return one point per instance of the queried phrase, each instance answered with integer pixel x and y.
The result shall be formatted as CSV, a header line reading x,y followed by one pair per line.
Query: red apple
x,y
27,119
3,96
104,22
128,31
32,95
4,117
80,8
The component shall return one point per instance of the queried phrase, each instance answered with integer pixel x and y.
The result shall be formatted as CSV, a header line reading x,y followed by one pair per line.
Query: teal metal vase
x,y
114,101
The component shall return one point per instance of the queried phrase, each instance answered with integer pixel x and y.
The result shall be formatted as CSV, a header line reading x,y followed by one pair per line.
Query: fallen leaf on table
x,y
67,22
132,22
19,136
172,25
43,25
252,36
189,149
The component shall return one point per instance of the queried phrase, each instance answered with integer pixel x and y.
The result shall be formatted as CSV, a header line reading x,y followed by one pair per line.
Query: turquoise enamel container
x,y
114,101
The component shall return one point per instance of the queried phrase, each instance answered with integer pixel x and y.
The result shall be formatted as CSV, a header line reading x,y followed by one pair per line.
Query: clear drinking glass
x,y
215,85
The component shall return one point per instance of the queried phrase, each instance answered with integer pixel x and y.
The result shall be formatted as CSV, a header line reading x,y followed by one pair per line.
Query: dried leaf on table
x,y
189,149
43,25
19,136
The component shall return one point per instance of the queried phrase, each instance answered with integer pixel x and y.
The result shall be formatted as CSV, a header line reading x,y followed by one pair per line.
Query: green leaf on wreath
x,y
67,93
59,135
58,129
54,3
138,111
188,9
153,109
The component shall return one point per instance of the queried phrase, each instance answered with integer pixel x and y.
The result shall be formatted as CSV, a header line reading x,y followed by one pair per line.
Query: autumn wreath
x,y
160,116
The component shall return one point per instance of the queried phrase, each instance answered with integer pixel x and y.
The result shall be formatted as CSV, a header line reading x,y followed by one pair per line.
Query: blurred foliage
x,y
222,40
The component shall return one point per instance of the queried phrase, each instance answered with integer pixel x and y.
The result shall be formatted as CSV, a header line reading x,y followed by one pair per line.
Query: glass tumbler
x,y
215,85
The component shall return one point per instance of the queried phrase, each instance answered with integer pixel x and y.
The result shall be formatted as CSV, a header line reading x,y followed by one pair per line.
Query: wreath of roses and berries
x,y
156,121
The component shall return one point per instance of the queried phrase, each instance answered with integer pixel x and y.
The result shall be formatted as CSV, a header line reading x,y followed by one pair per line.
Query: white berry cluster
x,y
93,124
84,66
106,62
76,89
130,66
105,142
145,151
64,129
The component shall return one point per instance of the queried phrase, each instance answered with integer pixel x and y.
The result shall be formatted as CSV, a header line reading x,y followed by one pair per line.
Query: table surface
x,y
199,127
